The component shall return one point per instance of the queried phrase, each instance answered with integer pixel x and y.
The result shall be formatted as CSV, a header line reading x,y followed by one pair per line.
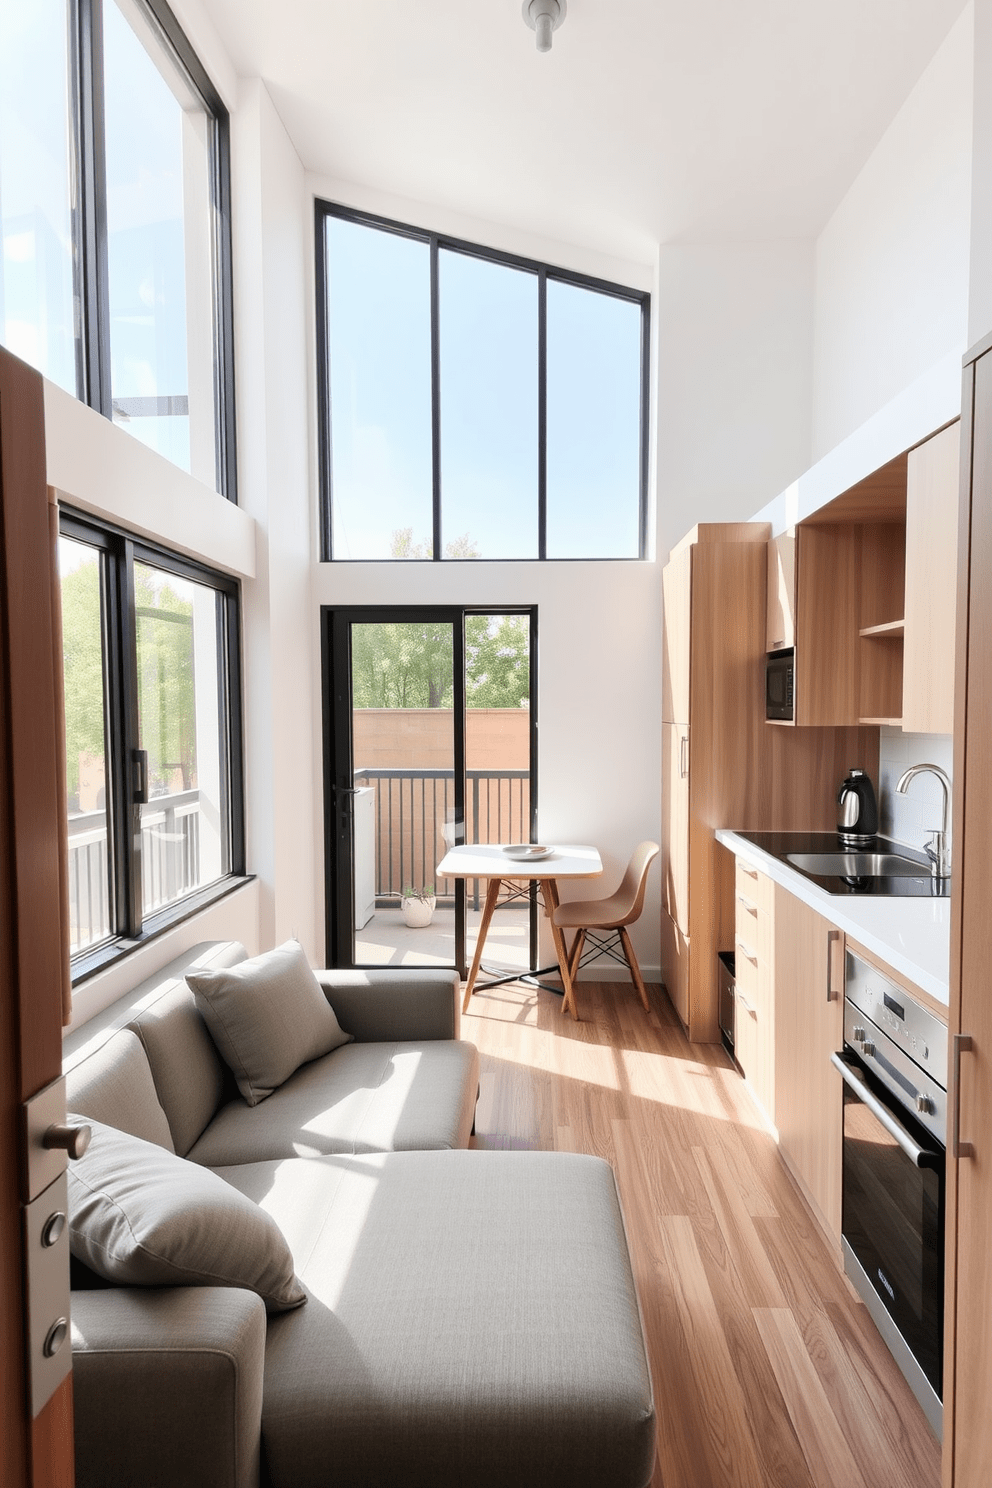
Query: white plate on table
x,y
527,851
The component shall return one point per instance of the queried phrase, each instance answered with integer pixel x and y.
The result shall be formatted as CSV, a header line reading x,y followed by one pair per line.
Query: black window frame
x,y
326,210
120,551
92,268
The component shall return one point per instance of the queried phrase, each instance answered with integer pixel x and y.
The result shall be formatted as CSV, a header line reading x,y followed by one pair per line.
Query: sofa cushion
x,y
267,1016
140,1216
472,1319
115,1086
384,1097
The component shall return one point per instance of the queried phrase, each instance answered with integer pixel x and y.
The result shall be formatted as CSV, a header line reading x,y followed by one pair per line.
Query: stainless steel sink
x,y
858,865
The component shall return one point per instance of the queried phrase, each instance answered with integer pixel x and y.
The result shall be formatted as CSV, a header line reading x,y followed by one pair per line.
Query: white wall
x,y
980,303
891,292
272,250
735,339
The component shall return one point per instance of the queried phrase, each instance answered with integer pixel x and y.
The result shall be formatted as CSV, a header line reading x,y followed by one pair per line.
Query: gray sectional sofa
x,y
470,1317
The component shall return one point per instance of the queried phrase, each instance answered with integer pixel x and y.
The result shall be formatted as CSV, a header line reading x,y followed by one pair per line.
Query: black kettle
x,y
857,816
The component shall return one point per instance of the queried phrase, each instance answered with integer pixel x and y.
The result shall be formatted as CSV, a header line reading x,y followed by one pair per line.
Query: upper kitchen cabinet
x,y
874,584
932,497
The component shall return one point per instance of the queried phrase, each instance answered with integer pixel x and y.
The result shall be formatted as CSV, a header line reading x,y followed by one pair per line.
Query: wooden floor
x,y
767,1372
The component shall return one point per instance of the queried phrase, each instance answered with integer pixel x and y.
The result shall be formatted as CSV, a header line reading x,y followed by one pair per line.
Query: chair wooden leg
x,y
576,952
635,970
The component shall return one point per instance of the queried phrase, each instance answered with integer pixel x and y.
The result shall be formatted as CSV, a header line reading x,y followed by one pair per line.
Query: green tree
x,y
411,665
166,695
82,669
402,545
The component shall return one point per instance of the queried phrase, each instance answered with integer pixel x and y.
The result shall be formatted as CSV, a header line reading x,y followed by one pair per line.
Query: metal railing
x,y
415,820
170,863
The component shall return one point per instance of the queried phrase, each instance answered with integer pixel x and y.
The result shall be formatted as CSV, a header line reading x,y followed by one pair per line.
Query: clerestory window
x,y
115,222
473,404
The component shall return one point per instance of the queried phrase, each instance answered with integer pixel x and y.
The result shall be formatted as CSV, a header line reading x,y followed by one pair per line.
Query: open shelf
x,y
894,628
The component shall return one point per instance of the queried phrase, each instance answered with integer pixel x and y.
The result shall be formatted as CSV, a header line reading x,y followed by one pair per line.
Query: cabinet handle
x,y
749,954
776,644
744,1003
963,1044
750,872
752,909
683,762
832,935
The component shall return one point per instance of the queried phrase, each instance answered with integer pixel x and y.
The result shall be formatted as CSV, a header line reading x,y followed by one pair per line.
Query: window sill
x,y
89,962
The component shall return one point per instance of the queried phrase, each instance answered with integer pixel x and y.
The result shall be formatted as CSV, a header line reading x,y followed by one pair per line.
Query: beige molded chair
x,y
587,917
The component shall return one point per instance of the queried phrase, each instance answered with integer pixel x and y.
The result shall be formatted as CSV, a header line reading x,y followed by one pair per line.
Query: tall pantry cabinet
x,y
712,723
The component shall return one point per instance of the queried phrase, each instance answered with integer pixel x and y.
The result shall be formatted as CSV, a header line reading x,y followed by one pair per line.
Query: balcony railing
x,y
170,863
415,820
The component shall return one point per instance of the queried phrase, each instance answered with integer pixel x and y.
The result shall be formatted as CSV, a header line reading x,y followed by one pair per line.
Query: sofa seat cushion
x,y
362,1098
472,1318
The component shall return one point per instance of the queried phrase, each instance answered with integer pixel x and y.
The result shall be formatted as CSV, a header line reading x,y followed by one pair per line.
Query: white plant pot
x,y
417,912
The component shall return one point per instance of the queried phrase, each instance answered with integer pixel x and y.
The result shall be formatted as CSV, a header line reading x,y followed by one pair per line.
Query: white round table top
x,y
488,860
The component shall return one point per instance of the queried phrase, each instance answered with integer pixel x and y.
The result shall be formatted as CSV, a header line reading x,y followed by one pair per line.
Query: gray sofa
x,y
471,1317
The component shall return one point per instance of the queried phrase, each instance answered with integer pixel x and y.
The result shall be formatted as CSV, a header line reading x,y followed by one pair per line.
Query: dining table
x,y
544,863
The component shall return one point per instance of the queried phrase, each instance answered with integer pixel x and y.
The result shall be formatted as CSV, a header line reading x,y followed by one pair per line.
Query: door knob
x,y
73,1140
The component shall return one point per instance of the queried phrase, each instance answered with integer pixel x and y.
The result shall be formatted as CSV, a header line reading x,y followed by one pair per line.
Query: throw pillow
x,y
141,1216
267,1016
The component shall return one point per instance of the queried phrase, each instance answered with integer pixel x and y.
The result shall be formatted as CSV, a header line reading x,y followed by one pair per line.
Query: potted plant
x,y
417,905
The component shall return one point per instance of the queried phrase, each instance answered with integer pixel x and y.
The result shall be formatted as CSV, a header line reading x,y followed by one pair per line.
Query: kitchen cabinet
x,y
754,1037
713,706
932,500
968,1293
809,1027
780,623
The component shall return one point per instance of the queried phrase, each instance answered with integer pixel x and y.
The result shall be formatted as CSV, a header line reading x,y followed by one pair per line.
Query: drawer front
x,y
754,887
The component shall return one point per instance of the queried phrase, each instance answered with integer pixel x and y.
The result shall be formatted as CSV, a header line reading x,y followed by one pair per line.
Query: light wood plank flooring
x,y
768,1373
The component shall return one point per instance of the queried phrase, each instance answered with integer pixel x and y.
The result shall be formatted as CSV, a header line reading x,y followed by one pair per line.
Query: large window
x,y
473,404
115,220
153,738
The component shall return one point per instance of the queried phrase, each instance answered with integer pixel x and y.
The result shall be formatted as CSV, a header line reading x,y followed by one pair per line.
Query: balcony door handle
x,y
139,776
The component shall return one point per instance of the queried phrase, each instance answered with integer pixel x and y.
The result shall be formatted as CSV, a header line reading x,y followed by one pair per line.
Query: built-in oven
x,y
894,1067
780,684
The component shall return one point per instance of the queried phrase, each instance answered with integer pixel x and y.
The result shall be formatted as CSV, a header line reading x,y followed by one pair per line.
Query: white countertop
x,y
912,935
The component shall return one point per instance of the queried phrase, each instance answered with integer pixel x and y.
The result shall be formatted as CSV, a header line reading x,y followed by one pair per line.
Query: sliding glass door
x,y
429,730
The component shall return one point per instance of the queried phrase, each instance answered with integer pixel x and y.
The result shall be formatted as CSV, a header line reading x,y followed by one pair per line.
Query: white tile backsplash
x,y
910,818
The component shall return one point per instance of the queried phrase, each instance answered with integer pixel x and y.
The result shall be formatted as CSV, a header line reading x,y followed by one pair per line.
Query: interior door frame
x,y
34,941
338,762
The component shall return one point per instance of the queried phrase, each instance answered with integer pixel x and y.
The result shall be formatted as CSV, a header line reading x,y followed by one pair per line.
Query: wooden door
x,y
809,1026
932,480
968,1336
33,934
677,587
675,823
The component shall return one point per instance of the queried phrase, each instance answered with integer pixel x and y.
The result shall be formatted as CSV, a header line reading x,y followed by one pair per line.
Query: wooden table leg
x,y
549,893
492,894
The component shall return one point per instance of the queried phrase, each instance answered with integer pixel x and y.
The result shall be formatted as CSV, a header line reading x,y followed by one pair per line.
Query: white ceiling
x,y
649,121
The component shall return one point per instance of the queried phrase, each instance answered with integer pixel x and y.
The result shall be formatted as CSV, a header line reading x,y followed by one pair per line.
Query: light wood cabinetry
x,y
809,1027
675,822
968,1294
780,624
754,1045
932,482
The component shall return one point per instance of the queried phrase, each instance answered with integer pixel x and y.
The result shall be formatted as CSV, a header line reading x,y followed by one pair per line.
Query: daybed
x,y
470,1317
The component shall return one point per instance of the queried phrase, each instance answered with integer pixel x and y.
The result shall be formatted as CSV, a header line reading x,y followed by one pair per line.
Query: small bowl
x,y
525,850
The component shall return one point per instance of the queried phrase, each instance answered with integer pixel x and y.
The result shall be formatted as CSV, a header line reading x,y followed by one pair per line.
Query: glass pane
x,y
488,317
497,755
379,347
594,403
404,810
158,227
36,287
184,838
84,674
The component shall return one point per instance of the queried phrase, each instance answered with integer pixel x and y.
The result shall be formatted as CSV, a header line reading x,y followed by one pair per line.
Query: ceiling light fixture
x,y
544,17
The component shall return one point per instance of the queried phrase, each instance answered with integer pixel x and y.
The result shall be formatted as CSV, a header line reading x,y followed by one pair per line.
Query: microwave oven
x,y
780,684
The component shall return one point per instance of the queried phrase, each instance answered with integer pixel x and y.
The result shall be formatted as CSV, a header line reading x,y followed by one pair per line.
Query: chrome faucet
x,y
937,849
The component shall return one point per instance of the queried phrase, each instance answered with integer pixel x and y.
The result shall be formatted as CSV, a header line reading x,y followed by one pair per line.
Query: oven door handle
x,y
921,1157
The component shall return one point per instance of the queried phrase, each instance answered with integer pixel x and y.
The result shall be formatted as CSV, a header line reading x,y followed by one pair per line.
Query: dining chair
x,y
600,925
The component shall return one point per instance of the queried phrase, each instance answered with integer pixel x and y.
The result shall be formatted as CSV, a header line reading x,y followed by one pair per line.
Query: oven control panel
x,y
914,1028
